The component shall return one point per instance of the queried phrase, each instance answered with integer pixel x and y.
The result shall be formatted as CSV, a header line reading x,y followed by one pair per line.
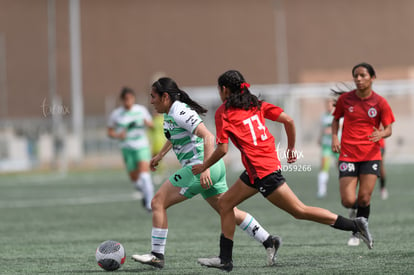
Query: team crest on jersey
x,y
372,112
351,109
168,125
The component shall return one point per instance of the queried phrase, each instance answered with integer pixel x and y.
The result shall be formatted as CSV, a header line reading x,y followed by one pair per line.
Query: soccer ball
x,y
110,255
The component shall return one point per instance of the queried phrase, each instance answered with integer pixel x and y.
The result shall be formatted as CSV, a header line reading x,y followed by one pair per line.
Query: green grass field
x,y
52,224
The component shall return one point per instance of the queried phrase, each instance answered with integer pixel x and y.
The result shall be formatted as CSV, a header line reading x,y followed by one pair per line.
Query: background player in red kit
x,y
242,119
359,160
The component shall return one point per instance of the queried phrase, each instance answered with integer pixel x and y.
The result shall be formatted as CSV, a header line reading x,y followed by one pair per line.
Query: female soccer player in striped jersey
x,y
325,142
127,124
241,118
363,111
191,142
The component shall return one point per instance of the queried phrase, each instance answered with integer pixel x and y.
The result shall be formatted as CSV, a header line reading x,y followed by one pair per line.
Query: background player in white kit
x,y
325,142
128,124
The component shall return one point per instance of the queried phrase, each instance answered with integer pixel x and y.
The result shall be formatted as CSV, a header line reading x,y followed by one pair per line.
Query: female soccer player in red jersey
x,y
359,160
241,118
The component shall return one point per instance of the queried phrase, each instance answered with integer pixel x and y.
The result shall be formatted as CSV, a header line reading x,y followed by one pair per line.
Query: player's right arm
x,y
218,153
112,133
222,145
111,127
158,157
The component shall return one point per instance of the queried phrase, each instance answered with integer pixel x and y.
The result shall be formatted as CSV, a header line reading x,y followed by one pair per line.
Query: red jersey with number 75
x,y
361,115
248,132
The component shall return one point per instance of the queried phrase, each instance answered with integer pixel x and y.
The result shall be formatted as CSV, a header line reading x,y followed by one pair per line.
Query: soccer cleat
x,y
149,259
353,241
272,251
216,263
363,232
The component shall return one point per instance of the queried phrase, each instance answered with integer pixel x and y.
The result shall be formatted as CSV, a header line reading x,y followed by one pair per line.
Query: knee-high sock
x,y
364,211
226,249
144,182
252,227
323,178
159,240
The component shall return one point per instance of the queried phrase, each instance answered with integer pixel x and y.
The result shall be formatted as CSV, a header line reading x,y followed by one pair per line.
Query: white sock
x,y
323,178
254,229
138,185
159,240
145,183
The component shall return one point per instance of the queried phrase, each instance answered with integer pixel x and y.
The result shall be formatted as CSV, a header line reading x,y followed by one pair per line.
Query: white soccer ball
x,y
110,255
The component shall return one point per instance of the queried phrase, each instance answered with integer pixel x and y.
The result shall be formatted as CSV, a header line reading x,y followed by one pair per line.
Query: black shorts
x,y
265,185
354,169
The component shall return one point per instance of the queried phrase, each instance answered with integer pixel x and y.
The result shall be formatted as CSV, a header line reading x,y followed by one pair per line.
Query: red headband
x,y
244,85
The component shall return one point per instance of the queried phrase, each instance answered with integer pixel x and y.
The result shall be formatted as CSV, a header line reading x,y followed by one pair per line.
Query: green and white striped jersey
x,y
326,123
179,126
132,121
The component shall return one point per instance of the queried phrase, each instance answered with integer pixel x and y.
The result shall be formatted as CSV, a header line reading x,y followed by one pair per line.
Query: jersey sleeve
x,y
387,116
222,135
271,111
187,119
339,108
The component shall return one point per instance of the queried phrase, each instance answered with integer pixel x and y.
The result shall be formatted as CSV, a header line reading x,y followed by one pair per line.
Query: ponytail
x,y
169,86
184,97
240,96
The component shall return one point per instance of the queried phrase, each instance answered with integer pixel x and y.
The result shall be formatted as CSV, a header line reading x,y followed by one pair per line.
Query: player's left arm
x,y
208,140
387,118
378,134
290,129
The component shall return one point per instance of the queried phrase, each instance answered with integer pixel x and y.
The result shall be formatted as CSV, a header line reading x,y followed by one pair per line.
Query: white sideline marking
x,y
32,180
70,201
56,179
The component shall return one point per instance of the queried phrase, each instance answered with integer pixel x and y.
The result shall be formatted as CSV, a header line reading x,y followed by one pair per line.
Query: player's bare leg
x,y
252,227
347,190
284,198
237,193
166,196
